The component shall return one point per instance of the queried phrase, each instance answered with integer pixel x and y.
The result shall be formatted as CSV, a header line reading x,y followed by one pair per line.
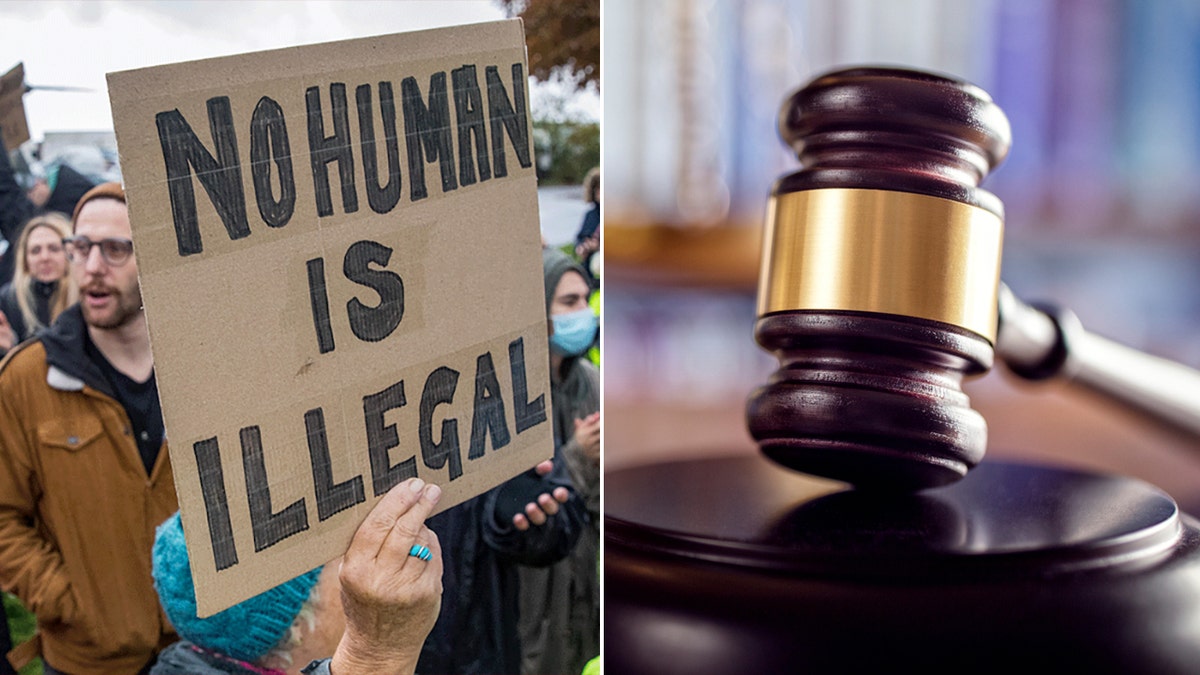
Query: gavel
x,y
880,289
876,539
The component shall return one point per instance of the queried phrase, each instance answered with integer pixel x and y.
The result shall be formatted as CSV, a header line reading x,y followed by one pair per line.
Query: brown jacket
x,y
77,510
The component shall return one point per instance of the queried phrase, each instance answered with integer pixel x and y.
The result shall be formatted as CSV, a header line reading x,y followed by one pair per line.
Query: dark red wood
x,y
895,129
739,566
872,399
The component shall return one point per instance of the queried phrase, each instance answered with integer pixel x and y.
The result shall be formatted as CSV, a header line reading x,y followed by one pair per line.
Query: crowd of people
x,y
91,543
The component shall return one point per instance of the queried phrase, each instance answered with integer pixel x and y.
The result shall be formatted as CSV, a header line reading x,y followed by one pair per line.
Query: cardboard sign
x,y
14,127
339,255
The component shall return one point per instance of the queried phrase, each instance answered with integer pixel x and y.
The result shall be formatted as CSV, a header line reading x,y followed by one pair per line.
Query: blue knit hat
x,y
246,631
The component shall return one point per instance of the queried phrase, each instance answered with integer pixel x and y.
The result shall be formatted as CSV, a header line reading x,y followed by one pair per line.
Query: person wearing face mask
x,y
560,604
41,287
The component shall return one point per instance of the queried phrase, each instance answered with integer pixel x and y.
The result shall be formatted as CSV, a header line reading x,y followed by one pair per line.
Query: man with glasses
x,y
84,472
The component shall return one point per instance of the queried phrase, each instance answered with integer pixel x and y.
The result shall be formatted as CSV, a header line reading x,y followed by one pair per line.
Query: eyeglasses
x,y
115,251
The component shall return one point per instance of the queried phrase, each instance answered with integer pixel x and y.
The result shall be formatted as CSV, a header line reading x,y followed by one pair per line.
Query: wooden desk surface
x,y
1048,424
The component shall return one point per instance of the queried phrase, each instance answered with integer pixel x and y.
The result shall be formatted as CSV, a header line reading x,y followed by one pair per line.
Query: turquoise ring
x,y
421,552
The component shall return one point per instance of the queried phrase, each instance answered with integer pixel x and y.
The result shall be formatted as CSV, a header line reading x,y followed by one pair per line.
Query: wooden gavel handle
x,y
1039,342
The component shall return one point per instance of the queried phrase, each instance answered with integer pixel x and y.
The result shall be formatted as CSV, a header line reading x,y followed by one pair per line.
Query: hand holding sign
x,y
391,598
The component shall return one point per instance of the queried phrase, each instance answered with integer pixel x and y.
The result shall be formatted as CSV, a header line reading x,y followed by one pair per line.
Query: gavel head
x,y
879,279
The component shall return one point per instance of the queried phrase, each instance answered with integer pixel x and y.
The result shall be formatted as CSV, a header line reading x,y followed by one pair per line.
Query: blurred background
x,y
1103,214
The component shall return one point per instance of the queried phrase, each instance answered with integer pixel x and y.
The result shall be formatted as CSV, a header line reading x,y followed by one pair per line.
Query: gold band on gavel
x,y
882,251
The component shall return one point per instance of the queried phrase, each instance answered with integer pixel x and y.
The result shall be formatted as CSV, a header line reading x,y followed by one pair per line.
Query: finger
x,y
428,572
373,531
520,522
545,467
535,514
412,567
435,563
406,528
549,506
561,495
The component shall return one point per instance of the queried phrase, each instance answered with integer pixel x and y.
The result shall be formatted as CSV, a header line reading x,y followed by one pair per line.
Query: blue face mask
x,y
573,333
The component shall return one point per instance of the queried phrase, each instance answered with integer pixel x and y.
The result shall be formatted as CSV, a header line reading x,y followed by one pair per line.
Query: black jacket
x,y
68,188
15,209
65,342
590,225
12,311
476,631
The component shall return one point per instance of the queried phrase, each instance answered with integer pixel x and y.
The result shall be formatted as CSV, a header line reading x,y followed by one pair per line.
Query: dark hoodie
x,y
476,631
42,292
560,604
66,344
69,186
15,209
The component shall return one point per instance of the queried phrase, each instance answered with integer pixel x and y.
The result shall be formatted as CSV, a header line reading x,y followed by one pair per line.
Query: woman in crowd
x,y
41,288
368,613
587,240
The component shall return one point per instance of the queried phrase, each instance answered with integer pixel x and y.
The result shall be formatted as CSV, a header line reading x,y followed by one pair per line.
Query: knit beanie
x,y
101,191
246,631
555,264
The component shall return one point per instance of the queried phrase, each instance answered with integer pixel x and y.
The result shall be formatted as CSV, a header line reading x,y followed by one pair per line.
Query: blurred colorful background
x,y
1103,213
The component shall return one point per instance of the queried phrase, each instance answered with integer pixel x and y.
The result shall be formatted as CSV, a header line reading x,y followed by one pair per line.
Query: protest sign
x,y
13,124
339,256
